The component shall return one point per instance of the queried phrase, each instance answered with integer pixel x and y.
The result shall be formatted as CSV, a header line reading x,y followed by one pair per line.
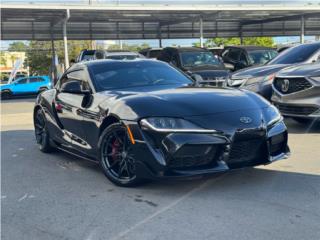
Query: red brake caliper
x,y
115,150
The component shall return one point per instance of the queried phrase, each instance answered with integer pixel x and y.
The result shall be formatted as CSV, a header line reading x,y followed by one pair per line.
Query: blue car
x,y
25,86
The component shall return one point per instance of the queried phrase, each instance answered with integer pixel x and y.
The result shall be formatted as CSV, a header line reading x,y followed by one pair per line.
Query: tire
x,y
117,164
42,133
302,120
6,95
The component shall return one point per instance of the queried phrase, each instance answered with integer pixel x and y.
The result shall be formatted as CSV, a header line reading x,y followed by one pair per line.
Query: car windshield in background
x,y
297,54
154,53
194,59
260,57
135,74
123,57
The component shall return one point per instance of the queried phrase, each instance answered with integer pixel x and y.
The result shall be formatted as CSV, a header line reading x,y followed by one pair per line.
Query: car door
x,y
34,84
20,86
68,108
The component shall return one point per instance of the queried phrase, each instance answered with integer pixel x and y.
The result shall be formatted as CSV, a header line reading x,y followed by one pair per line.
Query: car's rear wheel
x,y
41,132
116,158
6,95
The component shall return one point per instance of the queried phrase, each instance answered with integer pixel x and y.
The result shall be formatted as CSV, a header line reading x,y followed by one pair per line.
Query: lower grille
x,y
249,148
291,85
194,156
296,110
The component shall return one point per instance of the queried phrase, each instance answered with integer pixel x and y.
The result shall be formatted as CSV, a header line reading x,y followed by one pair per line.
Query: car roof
x,y
250,47
105,61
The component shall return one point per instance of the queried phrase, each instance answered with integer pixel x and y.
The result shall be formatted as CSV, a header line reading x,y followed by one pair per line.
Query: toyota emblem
x,y
245,120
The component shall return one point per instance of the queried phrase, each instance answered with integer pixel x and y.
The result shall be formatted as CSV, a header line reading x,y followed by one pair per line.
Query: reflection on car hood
x,y
259,71
186,101
302,70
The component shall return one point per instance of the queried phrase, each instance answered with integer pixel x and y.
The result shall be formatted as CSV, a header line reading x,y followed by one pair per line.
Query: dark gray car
x,y
259,79
296,91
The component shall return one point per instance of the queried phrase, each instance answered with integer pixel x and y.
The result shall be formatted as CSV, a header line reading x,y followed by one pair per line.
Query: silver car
x,y
296,91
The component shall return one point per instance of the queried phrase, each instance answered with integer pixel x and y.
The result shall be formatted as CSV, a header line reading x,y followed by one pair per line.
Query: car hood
x,y
258,71
180,102
301,70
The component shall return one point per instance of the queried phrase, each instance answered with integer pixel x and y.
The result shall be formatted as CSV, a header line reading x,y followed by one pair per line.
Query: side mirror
x,y
73,87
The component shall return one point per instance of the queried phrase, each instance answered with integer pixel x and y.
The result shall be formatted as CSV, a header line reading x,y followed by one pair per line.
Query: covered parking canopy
x,y
150,19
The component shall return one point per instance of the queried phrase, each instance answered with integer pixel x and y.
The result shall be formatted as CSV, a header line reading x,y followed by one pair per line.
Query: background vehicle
x,y
26,86
296,92
245,56
196,62
86,55
145,119
259,79
151,52
217,51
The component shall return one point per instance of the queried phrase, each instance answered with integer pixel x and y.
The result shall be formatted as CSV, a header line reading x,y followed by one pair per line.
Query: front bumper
x,y
189,154
302,104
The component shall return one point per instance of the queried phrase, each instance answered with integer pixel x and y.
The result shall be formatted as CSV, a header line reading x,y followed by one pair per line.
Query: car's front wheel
x,y
6,94
116,158
42,133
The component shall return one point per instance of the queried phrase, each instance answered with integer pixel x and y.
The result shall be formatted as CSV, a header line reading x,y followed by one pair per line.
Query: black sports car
x,y
144,119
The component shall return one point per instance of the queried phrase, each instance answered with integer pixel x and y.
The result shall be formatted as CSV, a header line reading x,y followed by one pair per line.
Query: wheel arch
x,y
111,119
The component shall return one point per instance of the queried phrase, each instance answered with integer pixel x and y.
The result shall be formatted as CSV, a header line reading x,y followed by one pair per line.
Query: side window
x,y
175,59
78,75
243,58
225,52
234,54
36,79
23,81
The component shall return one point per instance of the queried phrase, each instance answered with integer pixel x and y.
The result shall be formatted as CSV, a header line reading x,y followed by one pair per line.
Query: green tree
x,y
129,47
17,47
258,41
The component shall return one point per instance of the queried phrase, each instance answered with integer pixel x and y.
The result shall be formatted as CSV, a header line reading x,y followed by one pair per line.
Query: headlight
x,y
272,115
166,124
259,79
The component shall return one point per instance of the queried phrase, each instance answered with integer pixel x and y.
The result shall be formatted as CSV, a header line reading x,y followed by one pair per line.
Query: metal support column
x,y
201,32
160,36
53,59
241,35
65,40
302,29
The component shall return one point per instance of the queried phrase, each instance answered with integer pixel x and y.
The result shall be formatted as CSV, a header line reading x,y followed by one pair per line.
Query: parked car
x,y
86,55
296,92
259,79
151,52
197,62
145,119
25,86
239,57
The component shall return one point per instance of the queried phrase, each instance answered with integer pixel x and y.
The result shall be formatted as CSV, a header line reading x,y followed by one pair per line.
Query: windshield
x,y
296,54
119,75
259,57
194,59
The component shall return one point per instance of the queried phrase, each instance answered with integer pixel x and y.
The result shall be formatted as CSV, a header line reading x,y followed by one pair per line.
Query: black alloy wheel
x,y
116,158
41,132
